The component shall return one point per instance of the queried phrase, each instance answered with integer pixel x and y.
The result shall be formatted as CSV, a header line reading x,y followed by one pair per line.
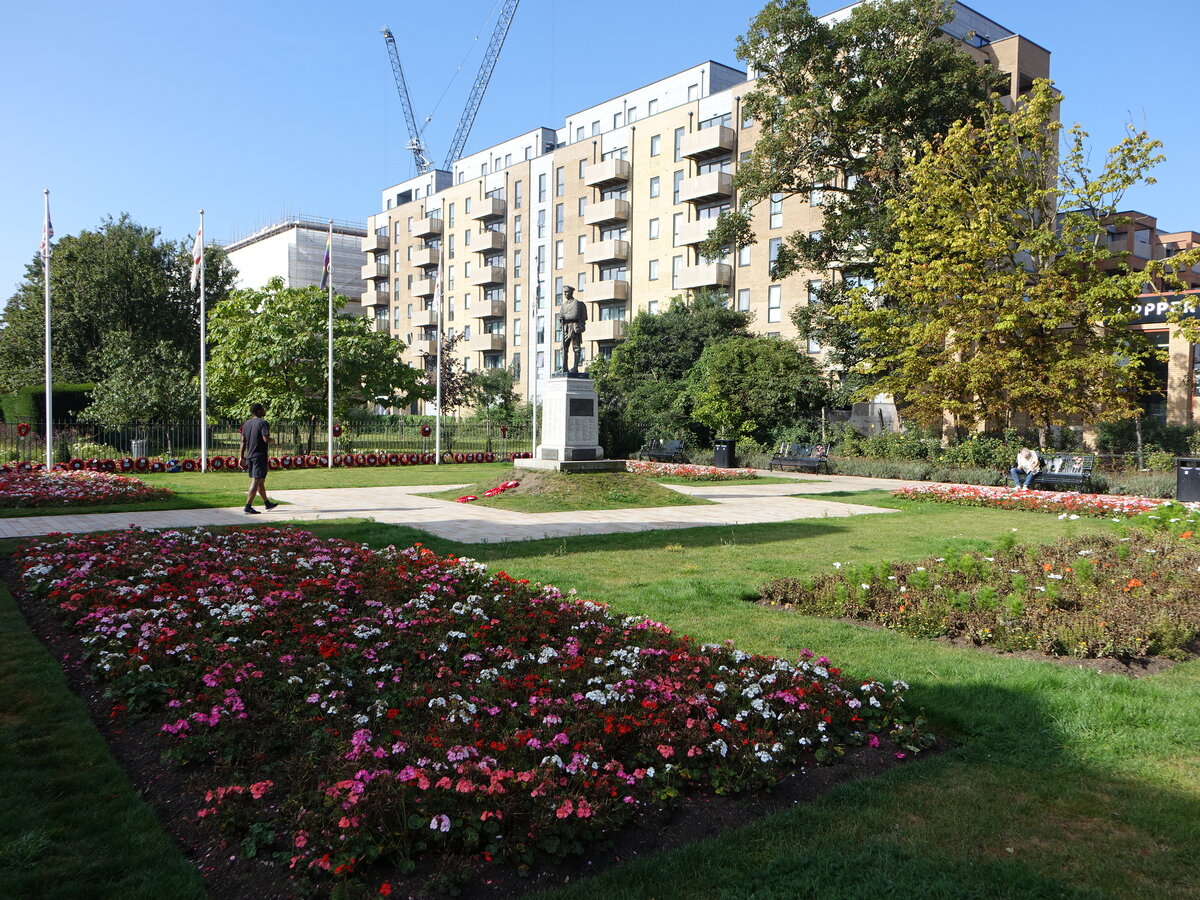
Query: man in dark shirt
x,y
256,435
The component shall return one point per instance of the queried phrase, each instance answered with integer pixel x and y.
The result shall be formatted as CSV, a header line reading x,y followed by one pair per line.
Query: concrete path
x,y
734,503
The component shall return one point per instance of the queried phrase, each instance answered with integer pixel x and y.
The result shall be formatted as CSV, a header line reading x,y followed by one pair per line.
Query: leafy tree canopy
x,y
270,346
121,278
144,384
750,387
493,393
1000,294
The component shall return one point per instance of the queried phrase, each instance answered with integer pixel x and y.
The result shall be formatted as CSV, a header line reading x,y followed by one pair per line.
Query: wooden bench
x,y
662,451
1072,470
800,456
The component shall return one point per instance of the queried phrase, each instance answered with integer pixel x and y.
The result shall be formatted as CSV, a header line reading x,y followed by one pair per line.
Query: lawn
x,y
541,492
1060,782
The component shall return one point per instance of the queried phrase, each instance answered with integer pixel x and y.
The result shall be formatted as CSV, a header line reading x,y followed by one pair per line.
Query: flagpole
x,y
47,233
203,354
329,416
437,299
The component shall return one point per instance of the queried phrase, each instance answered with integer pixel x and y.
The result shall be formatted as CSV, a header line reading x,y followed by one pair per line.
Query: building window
x,y
581,281
517,232
450,216
540,336
467,206
616,120
542,188
651,107
579,133
559,218
743,300
676,269
466,332
516,264
518,194
582,206
653,229
678,184
467,238
541,223
652,307
676,224
773,253
816,197
631,115
743,255
653,275
560,181
814,291
693,92
776,211
558,254
654,186
558,291
678,144
582,244
582,168
516,332
774,303
595,128
517,294
655,143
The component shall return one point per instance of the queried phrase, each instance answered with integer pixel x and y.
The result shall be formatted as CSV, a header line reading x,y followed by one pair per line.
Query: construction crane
x,y
415,144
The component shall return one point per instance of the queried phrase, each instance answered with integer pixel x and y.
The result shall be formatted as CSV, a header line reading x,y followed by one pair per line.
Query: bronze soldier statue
x,y
573,318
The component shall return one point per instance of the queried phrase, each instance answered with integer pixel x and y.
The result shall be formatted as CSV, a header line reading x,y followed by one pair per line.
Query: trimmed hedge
x,y
29,403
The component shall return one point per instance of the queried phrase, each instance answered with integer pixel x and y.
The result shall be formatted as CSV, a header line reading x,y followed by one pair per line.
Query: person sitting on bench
x,y
1027,465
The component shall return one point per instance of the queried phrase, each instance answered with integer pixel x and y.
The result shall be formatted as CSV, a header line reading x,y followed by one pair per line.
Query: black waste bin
x,y
1187,480
723,453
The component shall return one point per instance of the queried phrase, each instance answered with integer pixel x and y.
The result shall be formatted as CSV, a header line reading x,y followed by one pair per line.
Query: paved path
x,y
734,503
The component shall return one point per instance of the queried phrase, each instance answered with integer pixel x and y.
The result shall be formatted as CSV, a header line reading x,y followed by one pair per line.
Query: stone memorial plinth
x,y
570,429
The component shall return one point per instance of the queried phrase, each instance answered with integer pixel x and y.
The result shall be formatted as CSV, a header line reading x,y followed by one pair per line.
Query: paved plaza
x,y
734,503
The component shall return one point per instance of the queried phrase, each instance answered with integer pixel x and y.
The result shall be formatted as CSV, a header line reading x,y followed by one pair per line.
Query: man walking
x,y
256,435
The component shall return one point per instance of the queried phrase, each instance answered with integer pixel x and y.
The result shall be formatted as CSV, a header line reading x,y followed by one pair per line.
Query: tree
x,y
842,106
270,346
750,387
638,387
144,384
121,278
995,298
456,381
493,394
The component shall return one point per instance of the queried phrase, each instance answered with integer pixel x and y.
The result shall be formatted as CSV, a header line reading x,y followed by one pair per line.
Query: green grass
x,y
1062,782
542,492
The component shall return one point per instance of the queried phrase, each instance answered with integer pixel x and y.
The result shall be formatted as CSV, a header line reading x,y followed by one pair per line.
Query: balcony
x,y
375,243
375,270
422,287
487,343
707,142
709,186
421,347
489,208
600,291
427,256
424,318
487,275
606,251
606,330
430,226
489,242
372,297
706,275
691,233
608,172
607,212
489,309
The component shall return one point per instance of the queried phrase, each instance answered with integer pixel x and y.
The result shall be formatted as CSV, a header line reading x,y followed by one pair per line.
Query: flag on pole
x,y
328,257
47,232
197,255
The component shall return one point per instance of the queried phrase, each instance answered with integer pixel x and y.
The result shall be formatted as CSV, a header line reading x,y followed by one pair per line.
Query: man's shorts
x,y
256,466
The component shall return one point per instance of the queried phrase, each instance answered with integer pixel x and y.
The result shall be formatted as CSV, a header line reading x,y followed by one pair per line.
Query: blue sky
x,y
255,109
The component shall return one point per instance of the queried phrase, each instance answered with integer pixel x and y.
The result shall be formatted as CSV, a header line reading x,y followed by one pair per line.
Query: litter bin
x,y
1187,480
137,448
723,453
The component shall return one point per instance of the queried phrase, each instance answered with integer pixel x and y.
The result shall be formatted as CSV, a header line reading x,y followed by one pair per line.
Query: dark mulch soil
x,y
173,794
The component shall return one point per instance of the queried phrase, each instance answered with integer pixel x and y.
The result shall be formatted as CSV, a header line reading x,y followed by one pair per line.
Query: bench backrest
x,y
803,451
672,446
1069,464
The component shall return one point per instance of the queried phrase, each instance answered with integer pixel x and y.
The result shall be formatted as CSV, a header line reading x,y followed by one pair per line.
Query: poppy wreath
x,y
285,462
460,457
323,461
108,465
25,467
158,466
489,457
76,464
348,460
337,460
372,459
414,459
337,430
141,464
216,463
126,464
273,462
426,431
393,459
23,429
360,459
311,462
427,458
189,465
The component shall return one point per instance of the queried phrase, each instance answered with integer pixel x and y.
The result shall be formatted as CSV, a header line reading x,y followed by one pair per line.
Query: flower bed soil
x,y
267,664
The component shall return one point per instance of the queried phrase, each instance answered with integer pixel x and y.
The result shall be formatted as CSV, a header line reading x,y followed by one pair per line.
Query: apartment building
x,y
613,203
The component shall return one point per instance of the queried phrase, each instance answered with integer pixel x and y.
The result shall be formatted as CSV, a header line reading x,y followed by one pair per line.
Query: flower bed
x,y
1098,596
357,706
688,471
1066,502
24,490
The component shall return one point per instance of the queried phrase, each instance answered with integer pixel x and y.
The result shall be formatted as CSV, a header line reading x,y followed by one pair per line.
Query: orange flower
x,y
1047,567
1133,583
1186,534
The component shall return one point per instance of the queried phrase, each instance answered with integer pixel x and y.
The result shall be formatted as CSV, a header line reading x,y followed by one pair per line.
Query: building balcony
x,y
707,142
375,270
489,309
487,275
606,251
607,212
691,233
427,256
705,275
608,172
424,318
372,297
486,343
422,287
421,348
489,208
489,242
430,226
606,330
706,187
375,243
599,291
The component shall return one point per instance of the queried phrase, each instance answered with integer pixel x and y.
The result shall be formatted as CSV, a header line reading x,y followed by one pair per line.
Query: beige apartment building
x,y
613,203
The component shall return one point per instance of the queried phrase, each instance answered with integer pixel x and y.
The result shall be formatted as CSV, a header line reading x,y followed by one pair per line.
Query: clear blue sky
x,y
254,109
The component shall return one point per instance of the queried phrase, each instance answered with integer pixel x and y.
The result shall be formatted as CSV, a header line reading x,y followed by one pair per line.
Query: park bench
x,y
800,456
662,451
1071,470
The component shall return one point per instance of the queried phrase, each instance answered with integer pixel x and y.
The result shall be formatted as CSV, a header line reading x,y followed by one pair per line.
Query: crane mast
x,y
481,82
415,144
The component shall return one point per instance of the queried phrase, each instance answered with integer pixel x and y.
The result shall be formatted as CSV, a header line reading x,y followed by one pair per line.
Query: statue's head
x,y
569,292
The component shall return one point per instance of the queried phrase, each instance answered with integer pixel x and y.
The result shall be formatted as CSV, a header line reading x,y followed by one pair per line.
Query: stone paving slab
x,y
734,503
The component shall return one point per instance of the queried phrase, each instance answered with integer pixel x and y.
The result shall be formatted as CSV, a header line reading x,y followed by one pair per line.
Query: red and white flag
x,y
197,255
47,231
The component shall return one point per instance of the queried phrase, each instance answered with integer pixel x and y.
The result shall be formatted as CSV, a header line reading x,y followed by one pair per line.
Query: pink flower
x,y
872,741
565,810
440,822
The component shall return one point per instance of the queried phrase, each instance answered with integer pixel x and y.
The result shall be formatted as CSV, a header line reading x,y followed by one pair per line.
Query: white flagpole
x,y
46,234
437,299
203,361
329,416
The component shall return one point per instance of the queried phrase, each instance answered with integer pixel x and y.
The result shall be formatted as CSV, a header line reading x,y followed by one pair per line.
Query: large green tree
x,y
842,106
144,383
1001,295
121,278
270,346
750,387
